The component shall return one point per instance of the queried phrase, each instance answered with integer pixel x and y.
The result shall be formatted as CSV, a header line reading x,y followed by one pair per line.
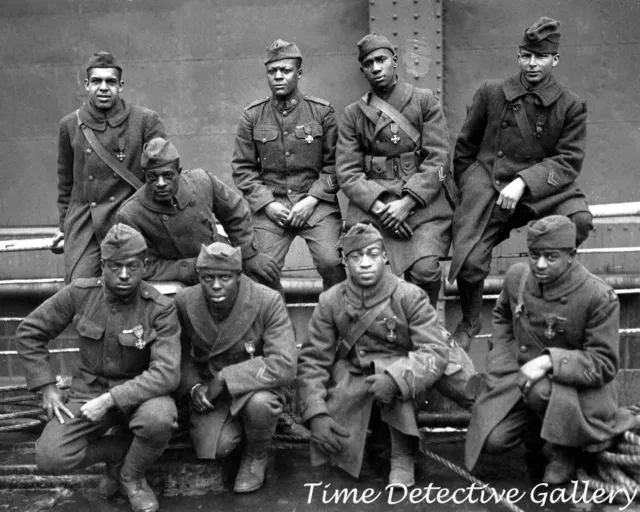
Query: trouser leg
x,y
508,434
275,244
584,224
403,448
427,274
86,265
323,241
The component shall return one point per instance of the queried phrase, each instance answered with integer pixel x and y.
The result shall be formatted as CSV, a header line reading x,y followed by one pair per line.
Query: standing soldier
x,y
518,155
238,357
177,212
129,340
99,150
392,161
553,359
284,164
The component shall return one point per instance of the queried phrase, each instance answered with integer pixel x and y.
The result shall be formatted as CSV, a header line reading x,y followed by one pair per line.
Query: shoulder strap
x,y
524,126
107,157
353,334
396,117
521,312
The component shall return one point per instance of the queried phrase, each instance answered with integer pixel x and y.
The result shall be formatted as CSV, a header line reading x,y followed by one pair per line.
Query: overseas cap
x,y
159,152
219,256
552,232
103,60
122,242
358,237
372,42
542,36
280,49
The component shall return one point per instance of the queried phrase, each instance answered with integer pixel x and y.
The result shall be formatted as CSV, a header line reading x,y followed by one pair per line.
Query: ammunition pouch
x,y
400,167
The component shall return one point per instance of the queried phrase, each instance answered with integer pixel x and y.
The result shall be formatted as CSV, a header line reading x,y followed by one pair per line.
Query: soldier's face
x,y
379,68
104,87
549,264
162,183
536,67
366,265
122,277
283,76
220,287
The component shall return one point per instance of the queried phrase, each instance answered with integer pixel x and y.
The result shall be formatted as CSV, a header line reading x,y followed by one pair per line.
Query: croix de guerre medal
x,y
550,333
391,324
309,138
394,129
120,155
250,348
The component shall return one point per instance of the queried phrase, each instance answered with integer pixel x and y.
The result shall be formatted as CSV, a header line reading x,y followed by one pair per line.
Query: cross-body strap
x,y
107,157
521,312
524,126
354,332
393,114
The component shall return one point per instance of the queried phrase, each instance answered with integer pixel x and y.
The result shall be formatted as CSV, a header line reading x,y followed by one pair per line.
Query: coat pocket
x,y
311,130
135,351
91,335
266,141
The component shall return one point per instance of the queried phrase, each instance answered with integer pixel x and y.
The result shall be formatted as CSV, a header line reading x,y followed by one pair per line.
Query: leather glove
x,y
263,267
326,434
383,388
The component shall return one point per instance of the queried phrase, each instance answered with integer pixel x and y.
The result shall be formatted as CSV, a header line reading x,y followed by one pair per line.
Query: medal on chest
x,y
394,129
309,138
120,155
137,331
550,332
250,348
391,324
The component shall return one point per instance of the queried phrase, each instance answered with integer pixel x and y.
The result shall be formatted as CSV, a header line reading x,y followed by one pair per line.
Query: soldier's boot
x,y
562,465
471,304
113,450
253,466
288,425
132,480
433,292
402,460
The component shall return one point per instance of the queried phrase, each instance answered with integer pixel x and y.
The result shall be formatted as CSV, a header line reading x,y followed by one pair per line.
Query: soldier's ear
x,y
384,257
395,60
556,59
300,73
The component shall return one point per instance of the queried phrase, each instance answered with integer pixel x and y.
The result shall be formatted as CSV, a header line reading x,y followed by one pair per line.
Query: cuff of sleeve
x,y
34,383
366,201
414,194
250,249
561,361
310,409
188,271
264,199
121,399
535,189
398,377
319,191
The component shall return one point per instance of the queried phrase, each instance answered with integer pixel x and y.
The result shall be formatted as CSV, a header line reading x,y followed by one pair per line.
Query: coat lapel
x,y
198,313
399,98
548,94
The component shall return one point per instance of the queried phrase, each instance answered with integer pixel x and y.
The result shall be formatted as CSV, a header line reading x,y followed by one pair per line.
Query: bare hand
x,y
53,401
215,387
94,410
404,232
383,388
326,434
301,212
278,213
200,400
262,266
533,371
57,243
397,212
511,194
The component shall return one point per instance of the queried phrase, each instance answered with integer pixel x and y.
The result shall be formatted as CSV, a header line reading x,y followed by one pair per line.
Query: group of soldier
x,y
130,214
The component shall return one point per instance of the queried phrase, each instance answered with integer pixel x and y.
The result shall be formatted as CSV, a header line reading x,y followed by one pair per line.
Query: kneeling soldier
x,y
553,357
129,362
372,338
239,356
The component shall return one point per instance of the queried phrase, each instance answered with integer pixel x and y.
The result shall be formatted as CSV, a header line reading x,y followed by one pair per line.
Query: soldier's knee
x,y
52,458
475,268
538,396
498,442
156,421
426,270
584,224
263,406
230,437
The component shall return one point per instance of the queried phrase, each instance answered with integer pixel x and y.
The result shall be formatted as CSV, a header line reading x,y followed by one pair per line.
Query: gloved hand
x,y
326,434
263,267
216,386
383,388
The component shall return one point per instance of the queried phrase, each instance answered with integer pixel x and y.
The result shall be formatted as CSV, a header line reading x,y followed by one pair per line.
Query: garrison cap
x,y
159,152
219,256
372,42
552,232
103,60
542,36
359,237
280,49
122,242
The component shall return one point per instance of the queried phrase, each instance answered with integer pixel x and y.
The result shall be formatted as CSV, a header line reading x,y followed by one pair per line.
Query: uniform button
x,y
114,309
289,191
287,153
504,124
377,142
524,348
115,175
99,281
112,199
500,154
362,352
565,360
286,133
183,264
91,178
192,202
294,102
285,113
527,157
563,300
165,216
264,139
539,129
498,182
537,102
94,204
89,151
145,294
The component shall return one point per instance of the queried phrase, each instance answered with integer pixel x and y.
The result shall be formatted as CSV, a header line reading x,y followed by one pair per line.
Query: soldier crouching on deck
x,y
238,357
553,358
129,363
373,338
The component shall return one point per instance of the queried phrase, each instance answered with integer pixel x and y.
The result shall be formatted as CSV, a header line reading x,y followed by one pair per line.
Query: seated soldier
x,y
129,363
372,339
177,211
553,357
239,356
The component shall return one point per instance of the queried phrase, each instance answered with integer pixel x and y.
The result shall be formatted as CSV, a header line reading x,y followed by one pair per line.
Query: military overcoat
x,y
253,348
89,192
175,233
112,358
491,152
286,155
366,133
576,321
331,373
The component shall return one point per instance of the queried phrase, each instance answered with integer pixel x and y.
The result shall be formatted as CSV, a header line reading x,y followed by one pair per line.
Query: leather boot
x,y
471,304
288,425
132,481
433,292
253,466
562,465
402,460
110,449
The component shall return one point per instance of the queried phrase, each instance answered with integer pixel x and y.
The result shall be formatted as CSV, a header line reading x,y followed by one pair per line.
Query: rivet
x,y
415,1
416,76
416,62
395,16
416,47
373,18
395,33
437,15
416,16
438,45
438,75
394,2
372,2
438,61
416,32
437,31
438,90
